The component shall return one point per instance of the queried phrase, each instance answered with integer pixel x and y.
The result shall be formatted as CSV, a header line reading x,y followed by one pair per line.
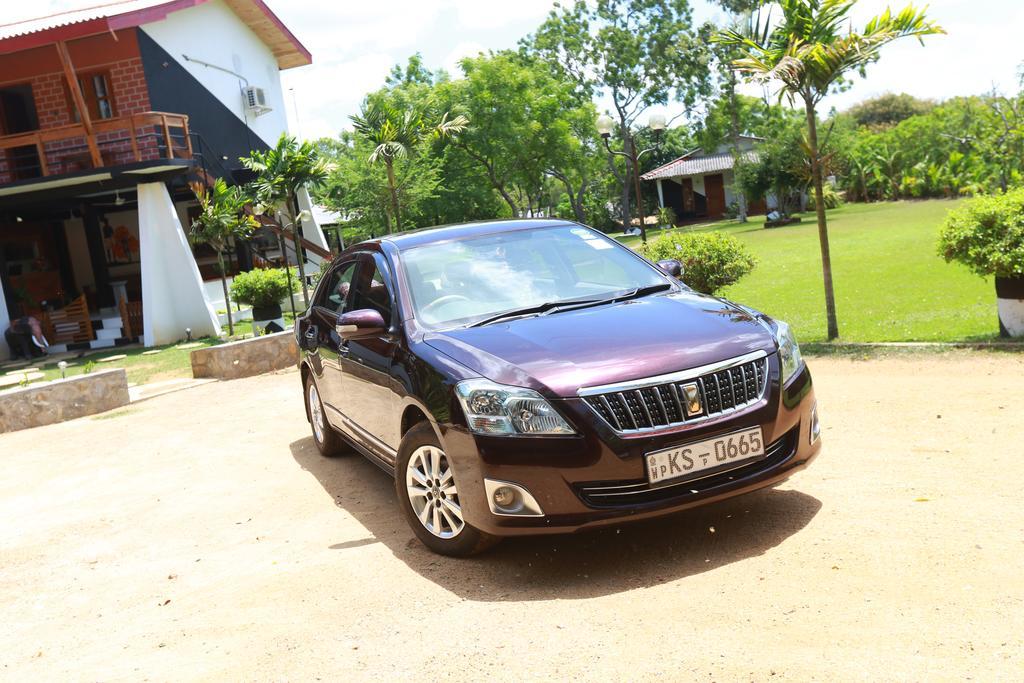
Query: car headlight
x,y
789,350
497,409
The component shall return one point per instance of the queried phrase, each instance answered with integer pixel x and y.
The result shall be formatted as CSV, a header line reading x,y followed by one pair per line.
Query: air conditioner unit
x,y
255,101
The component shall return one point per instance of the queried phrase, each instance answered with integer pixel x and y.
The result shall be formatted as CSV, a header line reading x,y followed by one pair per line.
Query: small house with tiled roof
x,y
700,184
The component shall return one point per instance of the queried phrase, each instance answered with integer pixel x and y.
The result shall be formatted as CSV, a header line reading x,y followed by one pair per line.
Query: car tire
x,y
428,495
328,441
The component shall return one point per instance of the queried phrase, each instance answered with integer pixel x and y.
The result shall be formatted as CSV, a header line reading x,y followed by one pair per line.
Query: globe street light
x,y
605,125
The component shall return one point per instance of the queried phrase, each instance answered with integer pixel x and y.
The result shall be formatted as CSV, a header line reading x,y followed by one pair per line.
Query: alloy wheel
x,y
316,413
430,485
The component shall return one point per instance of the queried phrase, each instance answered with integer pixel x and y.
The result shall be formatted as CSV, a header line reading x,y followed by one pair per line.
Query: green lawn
x,y
171,362
890,284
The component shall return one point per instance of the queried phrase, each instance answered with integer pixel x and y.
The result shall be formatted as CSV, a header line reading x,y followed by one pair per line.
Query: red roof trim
x,y
139,17
53,35
284,29
151,14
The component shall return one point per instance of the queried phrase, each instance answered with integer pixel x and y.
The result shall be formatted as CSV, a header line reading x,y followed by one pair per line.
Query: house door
x,y
18,115
714,190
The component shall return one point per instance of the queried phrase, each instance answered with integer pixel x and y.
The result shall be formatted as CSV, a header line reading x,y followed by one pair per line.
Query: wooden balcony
x,y
145,136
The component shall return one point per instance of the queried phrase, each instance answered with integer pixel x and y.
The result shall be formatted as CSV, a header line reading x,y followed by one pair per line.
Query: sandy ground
x,y
198,535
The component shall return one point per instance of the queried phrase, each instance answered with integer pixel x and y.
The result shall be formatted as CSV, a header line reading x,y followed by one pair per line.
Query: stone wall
x,y
247,357
63,399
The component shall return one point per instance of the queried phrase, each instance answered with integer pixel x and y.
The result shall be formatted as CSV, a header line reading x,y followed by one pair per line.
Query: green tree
x,y
222,219
360,191
640,53
527,128
396,134
280,172
889,109
809,51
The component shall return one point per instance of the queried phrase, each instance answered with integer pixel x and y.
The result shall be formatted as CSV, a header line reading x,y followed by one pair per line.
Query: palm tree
x,y
809,50
222,217
280,172
395,135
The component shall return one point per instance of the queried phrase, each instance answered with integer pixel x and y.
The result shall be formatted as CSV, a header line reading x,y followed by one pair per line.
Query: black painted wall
x,y
173,89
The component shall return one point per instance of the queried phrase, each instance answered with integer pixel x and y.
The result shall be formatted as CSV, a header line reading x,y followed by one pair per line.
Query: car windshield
x,y
463,281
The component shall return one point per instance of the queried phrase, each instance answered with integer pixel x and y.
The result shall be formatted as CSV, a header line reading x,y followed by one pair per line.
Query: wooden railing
x,y
65,149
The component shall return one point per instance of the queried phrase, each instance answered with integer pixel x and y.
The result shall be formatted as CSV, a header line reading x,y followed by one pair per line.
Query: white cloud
x,y
354,44
468,49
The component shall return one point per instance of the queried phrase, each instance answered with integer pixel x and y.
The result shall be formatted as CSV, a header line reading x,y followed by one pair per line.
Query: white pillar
x,y
173,296
310,230
661,196
5,322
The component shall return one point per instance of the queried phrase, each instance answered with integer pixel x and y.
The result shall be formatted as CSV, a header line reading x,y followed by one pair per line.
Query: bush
x,y
262,287
986,234
711,260
833,200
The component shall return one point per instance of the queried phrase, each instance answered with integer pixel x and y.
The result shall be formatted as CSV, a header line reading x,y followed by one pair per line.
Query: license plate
x,y
725,452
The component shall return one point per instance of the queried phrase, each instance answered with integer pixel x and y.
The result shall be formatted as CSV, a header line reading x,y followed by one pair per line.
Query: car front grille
x,y
660,402
638,492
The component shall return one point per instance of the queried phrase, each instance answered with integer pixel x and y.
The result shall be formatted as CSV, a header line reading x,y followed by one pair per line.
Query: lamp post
x,y
605,126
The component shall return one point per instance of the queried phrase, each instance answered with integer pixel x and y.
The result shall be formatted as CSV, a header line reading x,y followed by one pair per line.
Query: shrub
x,y
711,260
986,234
833,200
262,287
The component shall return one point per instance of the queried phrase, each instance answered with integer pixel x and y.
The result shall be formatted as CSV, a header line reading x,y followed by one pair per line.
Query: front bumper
x,y
574,479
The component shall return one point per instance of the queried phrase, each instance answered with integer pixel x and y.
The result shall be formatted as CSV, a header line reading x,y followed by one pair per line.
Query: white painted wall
x,y
310,230
173,295
5,322
213,33
698,184
1011,315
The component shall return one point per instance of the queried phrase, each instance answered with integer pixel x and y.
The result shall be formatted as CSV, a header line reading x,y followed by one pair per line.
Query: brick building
x,y
106,114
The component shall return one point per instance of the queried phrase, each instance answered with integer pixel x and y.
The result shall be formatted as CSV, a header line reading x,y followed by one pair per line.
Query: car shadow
x,y
571,566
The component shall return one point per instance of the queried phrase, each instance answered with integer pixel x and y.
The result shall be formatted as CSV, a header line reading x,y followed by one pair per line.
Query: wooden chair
x,y
70,324
131,318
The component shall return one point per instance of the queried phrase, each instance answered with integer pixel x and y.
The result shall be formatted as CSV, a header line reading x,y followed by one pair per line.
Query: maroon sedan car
x,y
534,376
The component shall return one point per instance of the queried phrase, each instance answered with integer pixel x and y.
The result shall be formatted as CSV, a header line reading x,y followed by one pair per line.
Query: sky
x,y
355,44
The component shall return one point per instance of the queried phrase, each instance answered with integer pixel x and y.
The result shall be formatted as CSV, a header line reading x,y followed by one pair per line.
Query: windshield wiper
x,y
638,292
546,307
549,307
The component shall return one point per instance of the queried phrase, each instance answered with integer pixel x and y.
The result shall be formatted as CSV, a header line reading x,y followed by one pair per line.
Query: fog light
x,y
510,500
504,497
815,424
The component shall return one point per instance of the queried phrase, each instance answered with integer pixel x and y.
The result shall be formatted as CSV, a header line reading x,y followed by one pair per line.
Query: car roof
x,y
444,233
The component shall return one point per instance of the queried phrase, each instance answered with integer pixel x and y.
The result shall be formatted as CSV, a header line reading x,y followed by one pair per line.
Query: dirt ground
x,y
198,535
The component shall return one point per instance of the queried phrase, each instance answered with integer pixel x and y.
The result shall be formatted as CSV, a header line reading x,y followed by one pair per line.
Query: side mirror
x,y
365,322
671,267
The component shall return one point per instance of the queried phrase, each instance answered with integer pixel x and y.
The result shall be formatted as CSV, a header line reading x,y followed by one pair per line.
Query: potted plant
x,y
263,289
666,217
986,234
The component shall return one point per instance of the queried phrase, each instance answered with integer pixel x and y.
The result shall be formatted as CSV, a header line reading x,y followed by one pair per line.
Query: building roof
x,y
693,164
120,14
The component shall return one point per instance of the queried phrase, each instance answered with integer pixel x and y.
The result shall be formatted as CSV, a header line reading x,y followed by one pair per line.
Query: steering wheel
x,y
441,301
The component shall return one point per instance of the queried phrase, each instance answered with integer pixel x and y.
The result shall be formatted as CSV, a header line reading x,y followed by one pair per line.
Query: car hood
x,y
559,353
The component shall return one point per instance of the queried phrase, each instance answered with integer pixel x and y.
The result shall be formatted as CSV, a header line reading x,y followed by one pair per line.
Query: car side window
x,y
373,288
335,292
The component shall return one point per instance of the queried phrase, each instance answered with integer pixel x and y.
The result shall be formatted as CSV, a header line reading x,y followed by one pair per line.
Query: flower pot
x,y
271,312
1010,304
